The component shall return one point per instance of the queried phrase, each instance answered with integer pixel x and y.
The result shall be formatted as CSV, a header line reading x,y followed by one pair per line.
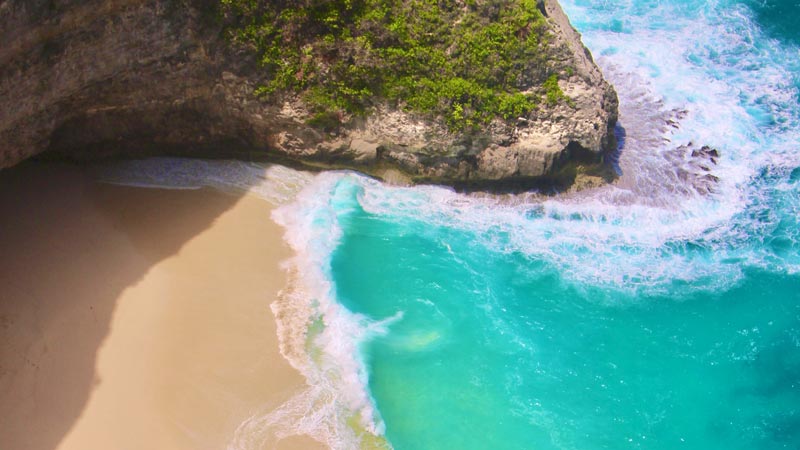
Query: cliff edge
x,y
133,78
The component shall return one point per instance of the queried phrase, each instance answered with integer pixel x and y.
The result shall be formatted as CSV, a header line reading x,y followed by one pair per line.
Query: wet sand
x,y
135,318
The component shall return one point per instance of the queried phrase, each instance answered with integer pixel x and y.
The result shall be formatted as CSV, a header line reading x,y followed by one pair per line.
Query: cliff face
x,y
98,78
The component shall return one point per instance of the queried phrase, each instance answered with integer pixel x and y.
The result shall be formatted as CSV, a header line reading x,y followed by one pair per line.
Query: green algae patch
x,y
466,62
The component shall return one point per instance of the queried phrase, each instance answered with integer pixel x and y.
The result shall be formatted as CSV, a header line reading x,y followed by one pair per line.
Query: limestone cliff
x,y
99,78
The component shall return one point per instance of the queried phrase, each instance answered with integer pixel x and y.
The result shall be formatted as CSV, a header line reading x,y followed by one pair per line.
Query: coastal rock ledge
x,y
93,79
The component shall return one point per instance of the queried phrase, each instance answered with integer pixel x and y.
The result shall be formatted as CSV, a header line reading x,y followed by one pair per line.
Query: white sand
x,y
135,318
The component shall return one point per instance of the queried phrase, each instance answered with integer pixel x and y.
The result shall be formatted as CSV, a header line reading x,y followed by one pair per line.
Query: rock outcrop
x,y
99,78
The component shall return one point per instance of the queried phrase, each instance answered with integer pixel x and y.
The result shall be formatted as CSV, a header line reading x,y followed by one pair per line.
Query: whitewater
x,y
662,311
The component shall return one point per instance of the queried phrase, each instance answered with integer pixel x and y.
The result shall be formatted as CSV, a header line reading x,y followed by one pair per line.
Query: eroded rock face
x,y
93,78
88,79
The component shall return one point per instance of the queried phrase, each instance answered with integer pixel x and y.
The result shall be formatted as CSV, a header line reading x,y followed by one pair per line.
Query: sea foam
x,y
319,336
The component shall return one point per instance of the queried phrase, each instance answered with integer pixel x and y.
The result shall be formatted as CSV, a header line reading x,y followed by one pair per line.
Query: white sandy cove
x,y
135,318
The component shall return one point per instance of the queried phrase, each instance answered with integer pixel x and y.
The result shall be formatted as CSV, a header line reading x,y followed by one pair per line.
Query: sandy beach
x,y
135,318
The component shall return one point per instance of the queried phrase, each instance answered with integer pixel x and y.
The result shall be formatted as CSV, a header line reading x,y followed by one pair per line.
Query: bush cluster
x,y
469,61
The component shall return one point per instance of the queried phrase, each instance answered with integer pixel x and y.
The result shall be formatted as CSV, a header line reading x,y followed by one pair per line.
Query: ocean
x,y
660,312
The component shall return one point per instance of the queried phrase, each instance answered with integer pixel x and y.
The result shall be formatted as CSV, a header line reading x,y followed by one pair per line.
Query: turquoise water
x,y
496,350
646,315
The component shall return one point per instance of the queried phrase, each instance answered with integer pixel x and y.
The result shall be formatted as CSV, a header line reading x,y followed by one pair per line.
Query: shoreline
x,y
136,318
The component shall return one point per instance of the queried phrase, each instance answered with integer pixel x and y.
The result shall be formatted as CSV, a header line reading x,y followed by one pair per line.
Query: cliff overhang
x,y
95,79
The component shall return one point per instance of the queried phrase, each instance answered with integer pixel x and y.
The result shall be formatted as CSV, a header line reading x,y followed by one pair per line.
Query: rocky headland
x,y
86,80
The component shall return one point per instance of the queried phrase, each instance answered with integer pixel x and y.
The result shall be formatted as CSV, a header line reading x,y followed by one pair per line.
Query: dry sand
x,y
135,318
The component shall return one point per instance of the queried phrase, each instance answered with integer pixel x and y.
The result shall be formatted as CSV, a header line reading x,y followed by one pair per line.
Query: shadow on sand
x,y
68,248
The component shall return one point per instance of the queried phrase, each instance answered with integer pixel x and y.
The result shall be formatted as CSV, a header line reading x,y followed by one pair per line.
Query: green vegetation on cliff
x,y
469,61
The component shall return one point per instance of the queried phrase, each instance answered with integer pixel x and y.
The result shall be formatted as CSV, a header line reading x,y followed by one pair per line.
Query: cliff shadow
x,y
613,156
69,247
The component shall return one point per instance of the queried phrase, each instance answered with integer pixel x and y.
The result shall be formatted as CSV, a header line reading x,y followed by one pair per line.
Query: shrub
x,y
552,91
466,62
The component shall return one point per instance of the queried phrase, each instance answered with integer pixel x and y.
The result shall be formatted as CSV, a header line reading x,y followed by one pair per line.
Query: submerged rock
x,y
123,78
694,166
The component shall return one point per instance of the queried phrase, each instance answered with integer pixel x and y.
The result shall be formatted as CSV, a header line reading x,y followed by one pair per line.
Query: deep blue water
x,y
778,18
